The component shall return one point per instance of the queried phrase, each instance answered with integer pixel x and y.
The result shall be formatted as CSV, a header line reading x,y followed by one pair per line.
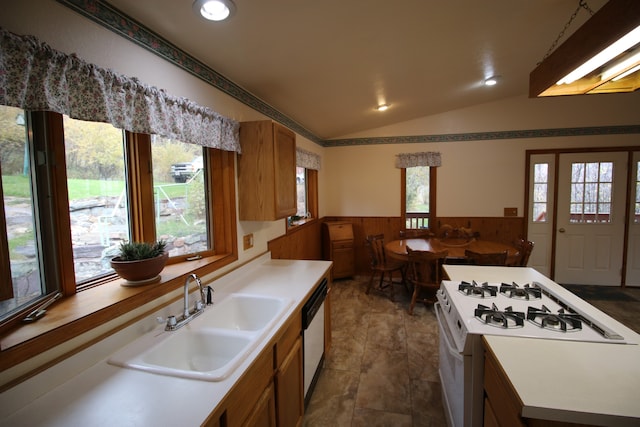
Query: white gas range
x,y
508,301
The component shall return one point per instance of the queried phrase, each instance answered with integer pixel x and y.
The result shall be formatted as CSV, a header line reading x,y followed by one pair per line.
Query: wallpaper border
x,y
114,20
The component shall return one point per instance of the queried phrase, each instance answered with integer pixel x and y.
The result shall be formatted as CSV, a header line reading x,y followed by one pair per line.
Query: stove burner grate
x,y
525,292
478,291
560,321
500,319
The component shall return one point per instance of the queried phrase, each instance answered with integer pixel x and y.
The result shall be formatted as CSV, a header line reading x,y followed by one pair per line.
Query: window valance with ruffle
x,y
410,160
306,159
35,77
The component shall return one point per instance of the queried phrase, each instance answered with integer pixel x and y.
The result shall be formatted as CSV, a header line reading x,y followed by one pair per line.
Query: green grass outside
x,y
18,186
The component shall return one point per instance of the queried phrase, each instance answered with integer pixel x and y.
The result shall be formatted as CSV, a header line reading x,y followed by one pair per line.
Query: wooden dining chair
x,y
498,258
382,266
525,247
424,274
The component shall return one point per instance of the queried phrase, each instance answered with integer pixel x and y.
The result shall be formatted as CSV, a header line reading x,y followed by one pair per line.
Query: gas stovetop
x,y
512,309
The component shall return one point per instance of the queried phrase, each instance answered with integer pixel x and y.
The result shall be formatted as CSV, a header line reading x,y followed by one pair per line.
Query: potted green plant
x,y
140,262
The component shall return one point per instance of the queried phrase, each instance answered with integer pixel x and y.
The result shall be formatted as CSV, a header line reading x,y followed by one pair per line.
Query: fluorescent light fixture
x,y
383,107
624,43
627,63
598,52
626,73
214,10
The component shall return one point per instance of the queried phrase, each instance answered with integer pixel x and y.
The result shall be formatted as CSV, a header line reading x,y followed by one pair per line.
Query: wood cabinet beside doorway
x,y
338,246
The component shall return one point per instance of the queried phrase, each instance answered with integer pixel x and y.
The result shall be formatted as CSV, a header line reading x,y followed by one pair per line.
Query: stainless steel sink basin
x,y
202,354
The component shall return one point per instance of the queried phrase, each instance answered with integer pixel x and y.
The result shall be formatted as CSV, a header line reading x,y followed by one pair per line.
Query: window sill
x,y
86,310
296,225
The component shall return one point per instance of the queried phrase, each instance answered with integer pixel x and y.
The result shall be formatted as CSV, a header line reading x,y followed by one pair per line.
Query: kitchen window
x,y
307,166
21,256
92,188
180,196
417,195
97,195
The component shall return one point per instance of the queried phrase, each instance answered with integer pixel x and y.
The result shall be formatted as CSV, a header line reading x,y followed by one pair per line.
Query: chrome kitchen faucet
x,y
188,315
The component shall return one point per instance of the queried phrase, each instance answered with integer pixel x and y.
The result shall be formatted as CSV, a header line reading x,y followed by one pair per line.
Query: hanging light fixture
x,y
602,56
214,10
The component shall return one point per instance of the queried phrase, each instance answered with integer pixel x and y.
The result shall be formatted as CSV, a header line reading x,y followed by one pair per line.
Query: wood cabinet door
x,y
289,388
284,161
343,261
264,413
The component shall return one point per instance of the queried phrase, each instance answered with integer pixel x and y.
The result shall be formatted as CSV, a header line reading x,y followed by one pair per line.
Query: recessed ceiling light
x,y
214,10
383,107
491,81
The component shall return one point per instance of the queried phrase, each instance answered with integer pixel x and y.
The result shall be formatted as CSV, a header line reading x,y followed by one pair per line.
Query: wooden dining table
x,y
456,247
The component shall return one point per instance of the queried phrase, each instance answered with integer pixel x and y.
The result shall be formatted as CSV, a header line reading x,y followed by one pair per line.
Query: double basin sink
x,y
211,346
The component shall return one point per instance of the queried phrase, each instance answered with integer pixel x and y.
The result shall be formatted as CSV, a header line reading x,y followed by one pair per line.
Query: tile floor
x,y
383,367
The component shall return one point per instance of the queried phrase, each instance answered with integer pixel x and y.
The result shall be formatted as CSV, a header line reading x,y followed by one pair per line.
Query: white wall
x,y
477,178
69,32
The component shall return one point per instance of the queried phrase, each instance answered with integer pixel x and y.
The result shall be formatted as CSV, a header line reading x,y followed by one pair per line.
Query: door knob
x,y
561,230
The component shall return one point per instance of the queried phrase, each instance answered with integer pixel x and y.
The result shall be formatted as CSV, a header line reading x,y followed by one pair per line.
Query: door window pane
x,y
179,195
417,197
19,244
540,192
97,195
591,189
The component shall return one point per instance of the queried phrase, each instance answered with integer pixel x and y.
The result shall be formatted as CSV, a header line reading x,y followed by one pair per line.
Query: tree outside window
x,y
417,197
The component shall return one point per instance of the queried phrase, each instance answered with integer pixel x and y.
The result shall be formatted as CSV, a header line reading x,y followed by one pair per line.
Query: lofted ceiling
x,y
327,64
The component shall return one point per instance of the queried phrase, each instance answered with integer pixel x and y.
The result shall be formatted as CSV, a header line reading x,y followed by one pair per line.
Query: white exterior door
x,y
591,218
541,208
633,243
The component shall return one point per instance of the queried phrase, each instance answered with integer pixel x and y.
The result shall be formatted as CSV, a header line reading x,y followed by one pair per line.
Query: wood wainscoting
x,y
498,229
304,242
300,242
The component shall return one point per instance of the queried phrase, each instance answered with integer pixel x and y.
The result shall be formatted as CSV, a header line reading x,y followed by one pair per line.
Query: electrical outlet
x,y
247,241
510,211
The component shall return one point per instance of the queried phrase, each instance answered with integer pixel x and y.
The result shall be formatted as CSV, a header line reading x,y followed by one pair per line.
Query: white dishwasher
x,y
313,338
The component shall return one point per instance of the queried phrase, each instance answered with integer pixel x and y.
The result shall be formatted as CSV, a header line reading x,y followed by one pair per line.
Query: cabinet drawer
x,y
288,339
502,398
249,389
342,244
342,231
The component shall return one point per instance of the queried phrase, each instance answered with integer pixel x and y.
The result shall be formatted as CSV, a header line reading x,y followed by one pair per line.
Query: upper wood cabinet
x,y
266,171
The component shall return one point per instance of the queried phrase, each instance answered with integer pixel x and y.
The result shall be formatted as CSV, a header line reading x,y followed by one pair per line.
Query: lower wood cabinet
x,y
290,389
503,403
244,405
264,412
288,376
338,246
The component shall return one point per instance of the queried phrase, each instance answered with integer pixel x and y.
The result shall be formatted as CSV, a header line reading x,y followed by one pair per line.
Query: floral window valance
x,y
35,77
306,159
410,160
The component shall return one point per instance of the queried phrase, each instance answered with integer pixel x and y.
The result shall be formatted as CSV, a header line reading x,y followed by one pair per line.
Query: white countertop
x,y
106,395
579,382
